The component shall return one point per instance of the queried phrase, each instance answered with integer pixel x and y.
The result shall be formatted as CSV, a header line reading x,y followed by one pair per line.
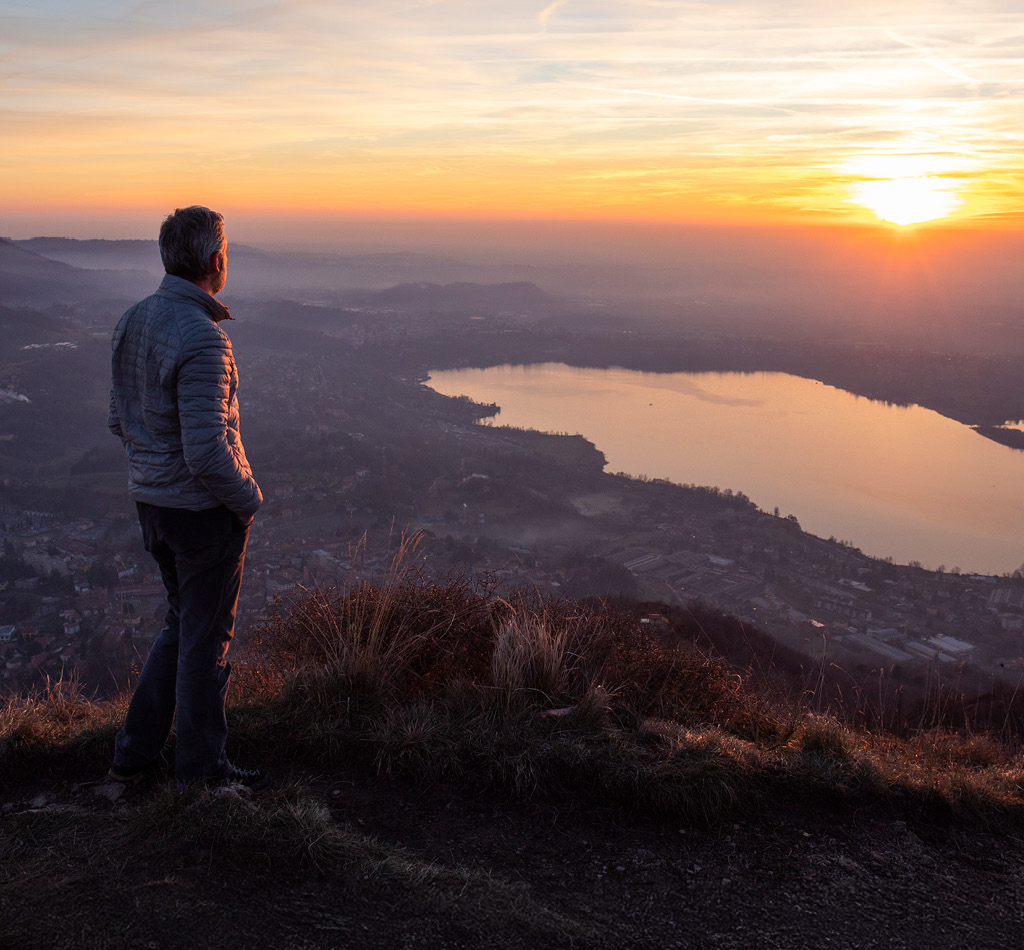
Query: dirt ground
x,y
481,871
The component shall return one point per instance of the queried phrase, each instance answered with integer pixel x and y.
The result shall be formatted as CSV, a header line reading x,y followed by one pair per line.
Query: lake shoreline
x,y
898,481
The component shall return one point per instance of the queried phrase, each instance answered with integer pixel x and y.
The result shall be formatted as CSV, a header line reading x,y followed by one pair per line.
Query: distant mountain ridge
x,y
97,253
48,271
32,279
462,296
254,270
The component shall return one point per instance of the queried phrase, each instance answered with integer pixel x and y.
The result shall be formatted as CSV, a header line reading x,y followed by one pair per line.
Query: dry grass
x,y
531,662
53,724
538,698
341,652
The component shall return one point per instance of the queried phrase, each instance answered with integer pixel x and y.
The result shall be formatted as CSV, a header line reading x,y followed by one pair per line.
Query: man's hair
x,y
188,239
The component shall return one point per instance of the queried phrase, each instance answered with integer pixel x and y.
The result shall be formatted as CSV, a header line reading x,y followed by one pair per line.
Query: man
x,y
173,405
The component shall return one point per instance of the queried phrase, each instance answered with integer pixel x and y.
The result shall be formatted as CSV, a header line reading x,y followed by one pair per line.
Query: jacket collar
x,y
177,288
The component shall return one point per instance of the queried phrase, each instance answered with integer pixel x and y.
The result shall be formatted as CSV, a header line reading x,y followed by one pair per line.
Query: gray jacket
x,y
173,403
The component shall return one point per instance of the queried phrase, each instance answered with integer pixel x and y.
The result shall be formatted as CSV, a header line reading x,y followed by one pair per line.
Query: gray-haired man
x,y
173,405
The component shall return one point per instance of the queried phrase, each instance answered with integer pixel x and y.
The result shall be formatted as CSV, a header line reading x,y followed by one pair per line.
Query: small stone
x,y
564,711
8,807
39,801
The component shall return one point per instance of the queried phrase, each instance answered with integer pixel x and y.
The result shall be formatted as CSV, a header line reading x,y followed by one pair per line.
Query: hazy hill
x,y
56,377
97,254
285,273
24,327
29,278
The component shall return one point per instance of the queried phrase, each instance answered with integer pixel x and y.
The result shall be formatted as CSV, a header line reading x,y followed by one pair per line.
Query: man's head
x,y
193,246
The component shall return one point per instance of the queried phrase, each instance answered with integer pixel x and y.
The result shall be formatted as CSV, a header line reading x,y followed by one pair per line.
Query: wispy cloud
x,y
545,14
498,103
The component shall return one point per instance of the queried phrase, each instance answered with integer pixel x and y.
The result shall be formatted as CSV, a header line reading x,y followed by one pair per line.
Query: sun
x,y
908,200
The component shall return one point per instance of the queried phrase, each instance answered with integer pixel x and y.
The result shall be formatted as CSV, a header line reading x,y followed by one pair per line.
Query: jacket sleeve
x,y
113,419
208,417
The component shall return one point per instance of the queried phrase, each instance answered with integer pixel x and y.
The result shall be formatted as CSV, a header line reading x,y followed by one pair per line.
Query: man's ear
x,y
217,263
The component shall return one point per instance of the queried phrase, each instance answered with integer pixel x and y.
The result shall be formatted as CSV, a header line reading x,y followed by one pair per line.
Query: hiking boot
x,y
129,775
253,779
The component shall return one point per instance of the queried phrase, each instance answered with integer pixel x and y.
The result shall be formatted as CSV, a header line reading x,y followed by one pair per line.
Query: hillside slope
x,y
457,771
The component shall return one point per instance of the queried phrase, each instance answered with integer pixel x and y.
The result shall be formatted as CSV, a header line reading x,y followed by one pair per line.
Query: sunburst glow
x,y
908,200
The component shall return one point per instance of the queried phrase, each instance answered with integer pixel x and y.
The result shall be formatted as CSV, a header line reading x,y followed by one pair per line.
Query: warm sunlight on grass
x,y
538,699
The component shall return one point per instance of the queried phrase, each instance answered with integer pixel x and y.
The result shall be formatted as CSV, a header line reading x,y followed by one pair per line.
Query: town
x,y
356,455
80,597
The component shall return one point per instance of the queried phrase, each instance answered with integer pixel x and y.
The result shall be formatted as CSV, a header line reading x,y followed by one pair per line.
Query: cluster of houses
x,y
902,615
75,607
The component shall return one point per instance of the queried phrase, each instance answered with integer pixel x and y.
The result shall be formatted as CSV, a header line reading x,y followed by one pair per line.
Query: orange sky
x,y
735,111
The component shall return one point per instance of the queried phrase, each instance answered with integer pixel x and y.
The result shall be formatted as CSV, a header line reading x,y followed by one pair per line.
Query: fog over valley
x,y
335,344
946,289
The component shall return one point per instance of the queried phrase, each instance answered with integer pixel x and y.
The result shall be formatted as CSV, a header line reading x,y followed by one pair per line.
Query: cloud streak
x,y
545,14
509,107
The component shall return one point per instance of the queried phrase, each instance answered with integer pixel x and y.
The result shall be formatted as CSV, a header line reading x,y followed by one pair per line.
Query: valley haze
x,y
335,343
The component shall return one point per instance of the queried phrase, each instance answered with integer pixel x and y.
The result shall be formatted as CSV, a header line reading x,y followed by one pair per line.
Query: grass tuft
x,y
53,724
824,736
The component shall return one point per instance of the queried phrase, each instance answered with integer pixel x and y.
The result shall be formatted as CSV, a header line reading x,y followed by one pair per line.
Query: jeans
x,y
200,555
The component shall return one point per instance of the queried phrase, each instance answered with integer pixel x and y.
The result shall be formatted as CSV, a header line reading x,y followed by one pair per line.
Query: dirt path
x,y
465,871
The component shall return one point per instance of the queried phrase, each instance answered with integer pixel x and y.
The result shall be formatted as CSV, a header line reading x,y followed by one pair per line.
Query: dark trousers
x,y
200,555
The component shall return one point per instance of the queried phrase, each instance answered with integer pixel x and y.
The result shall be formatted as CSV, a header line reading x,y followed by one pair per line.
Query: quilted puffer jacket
x,y
173,403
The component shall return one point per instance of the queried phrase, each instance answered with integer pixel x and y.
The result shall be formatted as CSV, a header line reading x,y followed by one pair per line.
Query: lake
x,y
905,483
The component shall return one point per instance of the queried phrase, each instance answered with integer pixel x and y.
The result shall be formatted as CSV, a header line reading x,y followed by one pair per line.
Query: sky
x,y
737,111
